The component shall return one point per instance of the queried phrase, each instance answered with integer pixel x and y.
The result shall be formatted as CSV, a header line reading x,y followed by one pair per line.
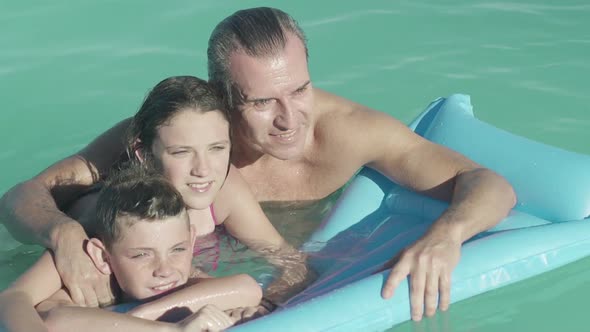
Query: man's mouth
x,y
286,136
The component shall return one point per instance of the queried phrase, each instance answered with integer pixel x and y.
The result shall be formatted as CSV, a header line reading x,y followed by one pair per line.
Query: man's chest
x,y
295,182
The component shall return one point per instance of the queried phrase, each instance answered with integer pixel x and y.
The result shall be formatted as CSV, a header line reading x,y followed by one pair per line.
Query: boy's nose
x,y
163,269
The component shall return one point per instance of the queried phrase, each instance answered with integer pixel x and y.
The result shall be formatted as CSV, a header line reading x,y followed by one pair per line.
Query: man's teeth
x,y
287,135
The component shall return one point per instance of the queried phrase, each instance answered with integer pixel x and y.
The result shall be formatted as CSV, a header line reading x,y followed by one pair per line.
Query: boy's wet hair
x,y
131,194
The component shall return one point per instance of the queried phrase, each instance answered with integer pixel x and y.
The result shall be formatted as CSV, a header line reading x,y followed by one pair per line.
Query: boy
x,y
144,241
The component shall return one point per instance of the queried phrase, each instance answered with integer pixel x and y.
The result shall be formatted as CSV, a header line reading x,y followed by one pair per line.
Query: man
x,y
291,142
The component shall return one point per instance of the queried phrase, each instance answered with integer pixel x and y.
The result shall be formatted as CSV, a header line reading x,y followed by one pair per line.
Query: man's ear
x,y
99,255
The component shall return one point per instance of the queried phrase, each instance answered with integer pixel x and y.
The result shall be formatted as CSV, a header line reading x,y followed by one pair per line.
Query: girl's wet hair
x,y
134,193
165,100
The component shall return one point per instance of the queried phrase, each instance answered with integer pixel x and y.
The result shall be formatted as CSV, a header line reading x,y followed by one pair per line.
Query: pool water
x,y
70,70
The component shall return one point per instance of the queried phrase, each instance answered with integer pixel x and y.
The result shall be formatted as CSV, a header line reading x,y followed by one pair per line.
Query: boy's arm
x,y
71,318
19,300
17,313
39,282
59,314
225,293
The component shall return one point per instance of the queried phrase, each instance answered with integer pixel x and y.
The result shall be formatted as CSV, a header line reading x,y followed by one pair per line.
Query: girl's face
x,y
192,149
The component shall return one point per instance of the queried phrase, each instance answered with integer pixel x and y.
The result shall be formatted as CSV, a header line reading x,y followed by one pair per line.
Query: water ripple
x,y
534,9
542,87
347,17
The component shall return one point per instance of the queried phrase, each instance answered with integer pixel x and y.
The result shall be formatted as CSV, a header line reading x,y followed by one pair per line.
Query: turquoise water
x,y
69,70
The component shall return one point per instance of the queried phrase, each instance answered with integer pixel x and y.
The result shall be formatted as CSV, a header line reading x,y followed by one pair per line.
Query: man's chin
x,y
287,154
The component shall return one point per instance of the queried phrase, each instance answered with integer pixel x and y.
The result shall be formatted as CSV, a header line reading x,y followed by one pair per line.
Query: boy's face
x,y
152,257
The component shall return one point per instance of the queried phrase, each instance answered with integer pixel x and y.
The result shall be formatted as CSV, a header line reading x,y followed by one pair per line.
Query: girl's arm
x,y
225,293
244,219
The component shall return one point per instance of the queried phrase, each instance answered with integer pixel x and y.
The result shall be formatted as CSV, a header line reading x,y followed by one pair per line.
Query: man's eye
x,y
179,152
261,103
301,90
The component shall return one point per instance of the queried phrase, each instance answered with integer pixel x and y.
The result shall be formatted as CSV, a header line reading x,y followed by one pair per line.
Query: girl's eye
x,y
179,249
178,153
218,147
139,255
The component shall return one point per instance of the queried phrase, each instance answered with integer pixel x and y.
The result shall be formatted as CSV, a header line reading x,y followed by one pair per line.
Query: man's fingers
x,y
77,296
104,295
90,297
444,288
398,273
417,281
431,293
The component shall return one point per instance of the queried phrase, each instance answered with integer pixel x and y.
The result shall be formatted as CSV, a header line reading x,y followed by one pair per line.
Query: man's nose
x,y
285,118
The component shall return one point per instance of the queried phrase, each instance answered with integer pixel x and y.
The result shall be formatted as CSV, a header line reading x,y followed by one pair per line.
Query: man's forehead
x,y
258,76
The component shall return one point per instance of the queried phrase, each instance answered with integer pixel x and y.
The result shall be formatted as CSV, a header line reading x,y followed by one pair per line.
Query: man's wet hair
x,y
258,32
134,193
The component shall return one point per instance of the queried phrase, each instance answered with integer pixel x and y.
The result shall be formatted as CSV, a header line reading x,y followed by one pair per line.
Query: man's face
x,y
276,113
152,257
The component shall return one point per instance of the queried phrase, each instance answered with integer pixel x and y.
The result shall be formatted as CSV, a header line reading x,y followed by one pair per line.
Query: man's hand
x,y
429,262
88,287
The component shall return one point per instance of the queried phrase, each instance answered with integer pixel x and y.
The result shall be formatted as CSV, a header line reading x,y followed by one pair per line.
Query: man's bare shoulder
x,y
341,118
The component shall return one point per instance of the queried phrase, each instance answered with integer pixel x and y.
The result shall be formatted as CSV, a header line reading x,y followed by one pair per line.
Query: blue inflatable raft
x,y
375,219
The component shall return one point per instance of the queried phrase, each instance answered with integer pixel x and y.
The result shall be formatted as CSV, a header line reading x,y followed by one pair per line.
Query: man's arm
x,y
479,198
31,213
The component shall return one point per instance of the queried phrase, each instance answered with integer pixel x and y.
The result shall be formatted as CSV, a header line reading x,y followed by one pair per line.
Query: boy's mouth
x,y
163,287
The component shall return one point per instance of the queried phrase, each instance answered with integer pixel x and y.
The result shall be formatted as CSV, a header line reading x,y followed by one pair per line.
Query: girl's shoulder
x,y
234,192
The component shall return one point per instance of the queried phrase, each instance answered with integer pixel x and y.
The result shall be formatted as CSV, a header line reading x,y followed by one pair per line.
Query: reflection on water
x,y
296,220
524,63
221,254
